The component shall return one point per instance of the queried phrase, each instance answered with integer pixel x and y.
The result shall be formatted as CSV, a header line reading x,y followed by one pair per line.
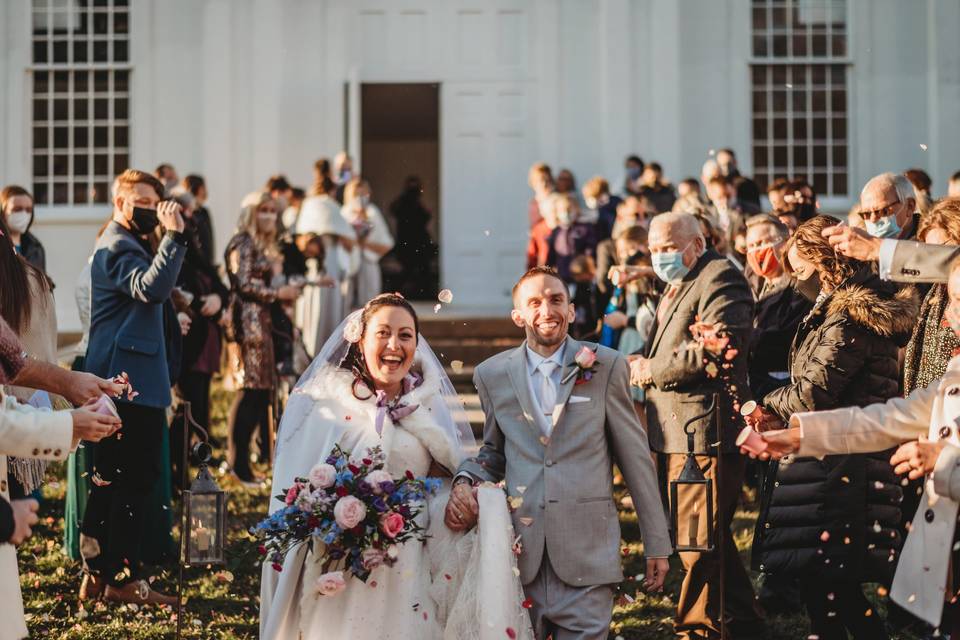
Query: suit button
x,y
549,463
945,432
57,453
928,515
36,452
46,452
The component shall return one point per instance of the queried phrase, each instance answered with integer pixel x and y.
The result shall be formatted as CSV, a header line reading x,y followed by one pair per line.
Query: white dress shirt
x,y
535,380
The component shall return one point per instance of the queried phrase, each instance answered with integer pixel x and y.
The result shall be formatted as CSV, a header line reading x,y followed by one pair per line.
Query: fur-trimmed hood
x,y
890,314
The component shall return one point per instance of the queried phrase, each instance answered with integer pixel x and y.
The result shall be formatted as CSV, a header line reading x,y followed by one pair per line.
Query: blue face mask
x,y
669,266
885,227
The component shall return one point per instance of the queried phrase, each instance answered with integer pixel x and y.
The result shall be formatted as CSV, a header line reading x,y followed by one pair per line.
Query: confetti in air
x,y
445,296
923,146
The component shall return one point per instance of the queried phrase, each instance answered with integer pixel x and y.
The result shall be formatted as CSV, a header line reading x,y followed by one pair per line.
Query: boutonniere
x,y
586,361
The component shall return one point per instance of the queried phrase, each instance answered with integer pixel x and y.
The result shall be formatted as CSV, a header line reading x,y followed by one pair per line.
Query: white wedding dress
x,y
451,587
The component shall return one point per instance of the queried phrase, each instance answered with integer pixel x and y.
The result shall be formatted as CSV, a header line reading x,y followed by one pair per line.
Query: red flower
x,y
511,633
313,522
527,604
409,474
262,550
277,566
342,491
354,469
367,461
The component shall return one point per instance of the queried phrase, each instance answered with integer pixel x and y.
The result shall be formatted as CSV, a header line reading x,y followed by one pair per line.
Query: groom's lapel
x,y
517,371
568,379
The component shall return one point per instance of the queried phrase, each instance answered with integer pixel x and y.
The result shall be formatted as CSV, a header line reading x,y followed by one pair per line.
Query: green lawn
x,y
220,608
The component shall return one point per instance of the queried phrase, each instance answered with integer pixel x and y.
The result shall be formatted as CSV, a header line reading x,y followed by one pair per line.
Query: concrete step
x,y
441,327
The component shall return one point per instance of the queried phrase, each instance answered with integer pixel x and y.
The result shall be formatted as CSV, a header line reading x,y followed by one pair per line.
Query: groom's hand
x,y
657,569
462,507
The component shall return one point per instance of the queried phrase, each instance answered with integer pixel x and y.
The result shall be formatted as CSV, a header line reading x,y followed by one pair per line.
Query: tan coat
x,y
27,433
921,579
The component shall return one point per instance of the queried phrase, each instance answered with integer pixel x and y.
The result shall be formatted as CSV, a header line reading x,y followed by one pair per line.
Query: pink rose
x,y
330,584
372,558
585,358
376,477
292,493
391,523
349,512
323,476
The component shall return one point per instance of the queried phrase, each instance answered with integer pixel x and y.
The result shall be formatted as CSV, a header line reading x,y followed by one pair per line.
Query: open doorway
x,y
399,149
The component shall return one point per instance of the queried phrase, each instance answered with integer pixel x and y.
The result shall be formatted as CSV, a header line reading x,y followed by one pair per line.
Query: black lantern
x,y
693,490
205,515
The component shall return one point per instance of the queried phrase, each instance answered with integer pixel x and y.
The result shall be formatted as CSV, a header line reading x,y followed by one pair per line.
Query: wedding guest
x,y
27,305
727,215
566,182
688,187
926,575
953,185
702,287
167,176
415,248
570,238
208,297
250,256
16,204
320,215
597,197
748,193
279,189
373,242
540,180
342,173
633,168
888,205
538,245
637,303
197,186
656,188
844,354
130,292
292,212
775,193
922,185
29,433
583,273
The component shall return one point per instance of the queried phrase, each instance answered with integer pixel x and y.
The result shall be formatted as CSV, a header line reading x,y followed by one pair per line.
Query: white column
x,y
618,62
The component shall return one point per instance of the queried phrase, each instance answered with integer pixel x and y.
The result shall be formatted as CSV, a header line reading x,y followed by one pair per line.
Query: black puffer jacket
x,y
838,516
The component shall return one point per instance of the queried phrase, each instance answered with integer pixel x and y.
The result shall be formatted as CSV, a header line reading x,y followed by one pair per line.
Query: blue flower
x,y
344,477
379,504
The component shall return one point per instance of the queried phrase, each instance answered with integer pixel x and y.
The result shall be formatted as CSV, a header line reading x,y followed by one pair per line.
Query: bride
x,y
377,383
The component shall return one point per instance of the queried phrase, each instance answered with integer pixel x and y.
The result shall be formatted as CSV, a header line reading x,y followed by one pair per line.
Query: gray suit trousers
x,y
565,612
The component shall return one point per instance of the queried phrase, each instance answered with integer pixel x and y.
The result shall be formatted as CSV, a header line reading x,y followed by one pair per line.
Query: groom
x,y
554,432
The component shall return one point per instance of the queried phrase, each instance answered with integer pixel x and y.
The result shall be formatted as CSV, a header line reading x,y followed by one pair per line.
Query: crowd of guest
x,y
815,313
812,320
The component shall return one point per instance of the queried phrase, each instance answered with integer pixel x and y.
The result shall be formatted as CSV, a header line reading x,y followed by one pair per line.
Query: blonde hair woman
x,y
373,242
250,258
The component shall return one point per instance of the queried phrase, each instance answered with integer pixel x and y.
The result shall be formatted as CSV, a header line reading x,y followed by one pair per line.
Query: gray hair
x,y
898,181
686,224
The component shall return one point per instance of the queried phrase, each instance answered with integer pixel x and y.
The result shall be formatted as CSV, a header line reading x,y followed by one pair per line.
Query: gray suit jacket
x,y
566,481
919,262
713,292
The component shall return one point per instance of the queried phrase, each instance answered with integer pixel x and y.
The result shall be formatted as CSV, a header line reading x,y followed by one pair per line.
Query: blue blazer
x,y
128,291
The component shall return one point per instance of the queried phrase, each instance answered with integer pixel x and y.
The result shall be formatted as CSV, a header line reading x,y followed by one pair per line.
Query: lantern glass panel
x,y
692,527
204,527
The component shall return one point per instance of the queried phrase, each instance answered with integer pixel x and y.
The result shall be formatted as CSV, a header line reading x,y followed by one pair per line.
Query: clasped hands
x,y
462,507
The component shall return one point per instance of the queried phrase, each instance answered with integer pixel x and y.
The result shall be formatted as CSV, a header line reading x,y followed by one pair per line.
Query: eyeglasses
x,y
882,212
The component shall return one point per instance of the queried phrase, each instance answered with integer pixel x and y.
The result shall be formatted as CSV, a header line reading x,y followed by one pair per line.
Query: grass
x,y
222,606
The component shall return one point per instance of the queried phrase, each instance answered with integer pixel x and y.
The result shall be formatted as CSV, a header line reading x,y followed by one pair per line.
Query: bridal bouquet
x,y
352,512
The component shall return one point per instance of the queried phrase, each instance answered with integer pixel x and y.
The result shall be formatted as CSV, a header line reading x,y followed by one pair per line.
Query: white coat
x,y
25,432
919,585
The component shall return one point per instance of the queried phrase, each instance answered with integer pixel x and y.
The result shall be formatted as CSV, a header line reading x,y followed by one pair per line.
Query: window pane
x,y
820,183
819,101
101,192
81,164
81,137
80,51
759,46
800,45
101,81
120,22
839,156
40,138
819,128
100,166
780,156
840,184
40,193
40,110
101,109
839,128
800,156
799,128
779,75
40,51
61,137
101,51
799,101
819,156
60,51
838,100
80,109
119,51
61,109
61,81
40,165
61,192
81,81
61,165
41,82
759,18
839,45
100,137
120,135
101,23
759,75
121,162
819,46
759,101
779,100
121,81
780,129
779,46
759,129
80,192
760,156
120,111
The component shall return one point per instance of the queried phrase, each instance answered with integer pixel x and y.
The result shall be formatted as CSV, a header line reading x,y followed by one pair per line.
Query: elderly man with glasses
x,y
888,205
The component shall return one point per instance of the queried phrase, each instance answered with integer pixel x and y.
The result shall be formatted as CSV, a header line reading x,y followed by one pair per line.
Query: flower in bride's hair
x,y
330,584
323,476
353,331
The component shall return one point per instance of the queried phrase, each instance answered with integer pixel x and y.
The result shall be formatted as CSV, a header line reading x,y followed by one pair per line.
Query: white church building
x,y
466,94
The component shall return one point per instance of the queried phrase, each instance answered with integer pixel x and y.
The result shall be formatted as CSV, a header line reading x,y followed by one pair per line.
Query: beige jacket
x,y
25,432
921,579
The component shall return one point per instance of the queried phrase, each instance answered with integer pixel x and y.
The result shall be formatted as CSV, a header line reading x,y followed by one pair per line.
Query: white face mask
x,y
19,221
363,201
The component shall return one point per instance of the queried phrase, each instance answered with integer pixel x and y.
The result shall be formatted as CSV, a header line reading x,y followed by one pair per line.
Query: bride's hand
x,y
462,508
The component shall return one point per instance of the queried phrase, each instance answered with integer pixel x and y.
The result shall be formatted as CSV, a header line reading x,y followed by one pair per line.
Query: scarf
x,y
396,408
932,344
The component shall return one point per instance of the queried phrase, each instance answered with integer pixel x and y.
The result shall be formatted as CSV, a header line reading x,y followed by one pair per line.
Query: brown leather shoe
x,y
92,587
138,592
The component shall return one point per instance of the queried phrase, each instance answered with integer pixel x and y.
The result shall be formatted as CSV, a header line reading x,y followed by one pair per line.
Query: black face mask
x,y
809,288
144,220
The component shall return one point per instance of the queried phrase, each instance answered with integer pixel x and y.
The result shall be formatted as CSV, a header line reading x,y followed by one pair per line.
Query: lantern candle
x,y
202,536
693,526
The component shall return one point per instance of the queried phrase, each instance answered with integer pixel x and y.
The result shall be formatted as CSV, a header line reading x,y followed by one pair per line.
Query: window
x,y
80,134
800,94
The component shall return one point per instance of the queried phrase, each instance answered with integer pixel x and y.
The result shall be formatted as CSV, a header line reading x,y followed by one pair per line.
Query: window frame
x,y
51,212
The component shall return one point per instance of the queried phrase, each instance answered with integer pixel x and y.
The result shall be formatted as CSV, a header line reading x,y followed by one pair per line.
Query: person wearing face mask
x,y
631,212
373,242
702,286
888,206
570,238
779,308
130,297
16,204
632,167
540,180
927,574
845,353
250,258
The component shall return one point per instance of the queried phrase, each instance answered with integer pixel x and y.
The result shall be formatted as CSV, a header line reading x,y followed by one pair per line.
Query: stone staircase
x,y
469,340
